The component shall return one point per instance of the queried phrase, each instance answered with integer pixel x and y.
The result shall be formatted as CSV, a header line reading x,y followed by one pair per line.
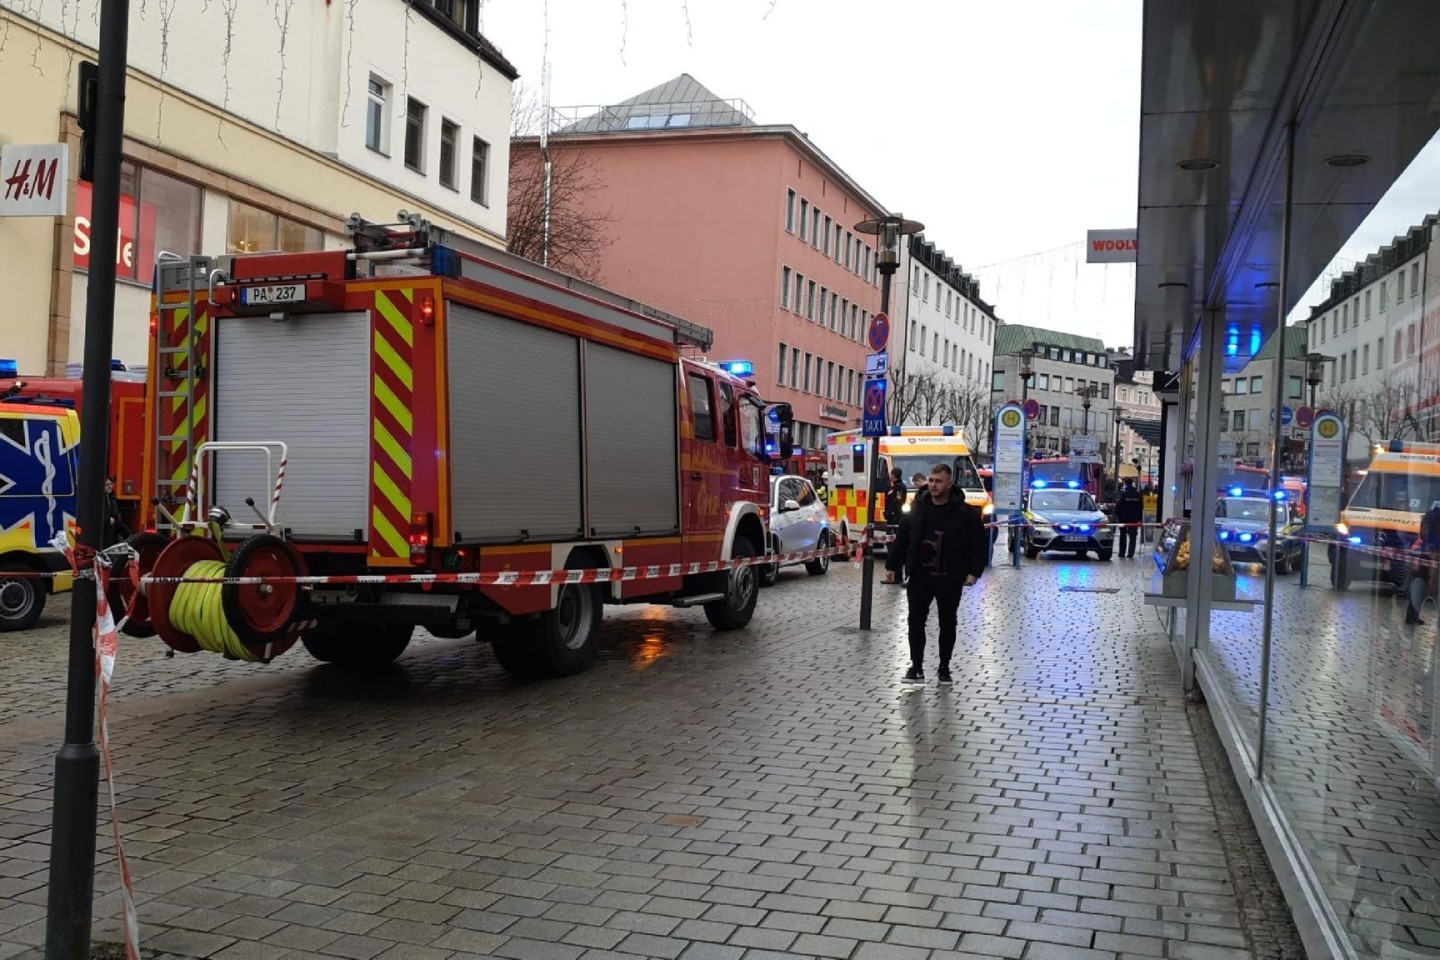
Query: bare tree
x,y
578,226
929,398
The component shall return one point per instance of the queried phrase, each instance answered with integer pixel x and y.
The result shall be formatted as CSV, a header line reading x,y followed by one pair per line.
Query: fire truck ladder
x,y
177,355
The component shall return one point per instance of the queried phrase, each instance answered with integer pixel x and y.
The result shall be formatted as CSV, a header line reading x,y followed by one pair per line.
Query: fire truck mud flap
x,y
357,645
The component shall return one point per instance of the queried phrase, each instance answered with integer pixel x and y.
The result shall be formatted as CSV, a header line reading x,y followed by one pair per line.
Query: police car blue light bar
x,y
1073,484
1236,491
738,368
1279,494
1224,534
1039,484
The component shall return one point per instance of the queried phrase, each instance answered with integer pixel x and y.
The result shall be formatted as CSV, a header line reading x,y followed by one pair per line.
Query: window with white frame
x,y
377,116
480,172
449,135
790,211
415,114
804,218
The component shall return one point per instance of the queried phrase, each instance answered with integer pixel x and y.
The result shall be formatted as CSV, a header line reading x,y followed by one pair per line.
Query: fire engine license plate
x,y
265,296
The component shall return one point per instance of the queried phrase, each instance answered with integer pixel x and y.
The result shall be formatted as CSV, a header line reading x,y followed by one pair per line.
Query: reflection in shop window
x,y
158,212
253,230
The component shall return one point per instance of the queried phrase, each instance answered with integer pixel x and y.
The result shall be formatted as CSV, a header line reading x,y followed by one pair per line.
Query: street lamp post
x,y
1314,374
888,230
1027,370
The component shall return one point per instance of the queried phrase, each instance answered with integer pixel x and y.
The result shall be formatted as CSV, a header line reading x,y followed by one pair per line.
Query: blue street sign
x,y
874,408
1287,415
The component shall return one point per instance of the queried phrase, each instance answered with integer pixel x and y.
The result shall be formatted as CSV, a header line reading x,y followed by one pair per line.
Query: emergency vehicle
x,y
127,426
419,405
1381,523
39,462
1066,474
913,449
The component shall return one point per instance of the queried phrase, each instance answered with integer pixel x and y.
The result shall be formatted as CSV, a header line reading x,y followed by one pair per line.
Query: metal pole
x,y
867,568
1305,540
1268,616
77,766
1017,520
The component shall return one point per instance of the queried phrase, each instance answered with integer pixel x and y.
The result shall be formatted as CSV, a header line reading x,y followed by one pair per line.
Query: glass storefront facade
x,y
1322,676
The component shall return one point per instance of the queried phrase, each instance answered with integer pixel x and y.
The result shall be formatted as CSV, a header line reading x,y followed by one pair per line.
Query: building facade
x,y
1379,332
351,109
943,342
743,228
1137,412
1065,370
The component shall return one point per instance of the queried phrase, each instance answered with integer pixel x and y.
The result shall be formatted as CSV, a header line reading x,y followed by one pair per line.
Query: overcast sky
x,y
1008,128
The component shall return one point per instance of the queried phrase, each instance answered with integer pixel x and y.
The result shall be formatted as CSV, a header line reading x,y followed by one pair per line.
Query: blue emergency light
x,y
1246,537
1236,491
1039,484
1354,539
1084,528
1279,494
9,368
1073,484
1224,534
738,368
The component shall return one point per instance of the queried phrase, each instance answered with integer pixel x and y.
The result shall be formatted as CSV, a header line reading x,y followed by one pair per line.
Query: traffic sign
x,y
877,364
1287,416
879,332
874,414
1304,417
1032,409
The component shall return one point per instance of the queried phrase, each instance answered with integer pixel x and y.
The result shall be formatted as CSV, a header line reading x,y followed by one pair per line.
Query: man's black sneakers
x,y
943,674
915,675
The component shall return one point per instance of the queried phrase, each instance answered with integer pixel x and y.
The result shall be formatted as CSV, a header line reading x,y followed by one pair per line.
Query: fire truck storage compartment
x,y
304,381
517,449
630,413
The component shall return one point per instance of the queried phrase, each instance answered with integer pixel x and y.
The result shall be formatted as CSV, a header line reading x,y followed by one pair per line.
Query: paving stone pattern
x,y
775,792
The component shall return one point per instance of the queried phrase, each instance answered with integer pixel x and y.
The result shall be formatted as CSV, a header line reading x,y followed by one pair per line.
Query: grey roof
x,y
681,102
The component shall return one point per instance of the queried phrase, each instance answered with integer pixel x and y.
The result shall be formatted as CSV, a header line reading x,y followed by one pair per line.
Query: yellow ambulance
x,y
1382,520
913,449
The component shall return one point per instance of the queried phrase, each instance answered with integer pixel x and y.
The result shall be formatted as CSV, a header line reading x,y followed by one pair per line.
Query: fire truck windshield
x,y
965,475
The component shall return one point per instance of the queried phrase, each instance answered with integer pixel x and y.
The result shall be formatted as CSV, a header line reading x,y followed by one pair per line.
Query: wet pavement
x,y
775,792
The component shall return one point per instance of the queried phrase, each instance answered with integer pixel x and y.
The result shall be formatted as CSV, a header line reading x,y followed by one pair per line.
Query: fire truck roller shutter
x,y
631,417
514,429
304,382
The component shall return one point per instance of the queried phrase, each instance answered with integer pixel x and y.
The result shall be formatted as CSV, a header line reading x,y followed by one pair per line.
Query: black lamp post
x,y
1315,372
888,230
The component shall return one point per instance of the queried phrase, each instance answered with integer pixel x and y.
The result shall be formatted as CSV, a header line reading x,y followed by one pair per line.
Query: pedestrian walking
x,y
1129,512
1422,569
942,547
922,487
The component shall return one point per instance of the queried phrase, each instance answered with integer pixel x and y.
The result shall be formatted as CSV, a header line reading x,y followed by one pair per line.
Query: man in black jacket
x,y
942,546
1129,510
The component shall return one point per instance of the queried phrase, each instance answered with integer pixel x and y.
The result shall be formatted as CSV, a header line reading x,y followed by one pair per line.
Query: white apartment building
x,y
944,339
348,108
1380,330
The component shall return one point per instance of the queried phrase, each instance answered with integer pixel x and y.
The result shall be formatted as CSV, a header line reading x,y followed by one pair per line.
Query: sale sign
x,y
135,244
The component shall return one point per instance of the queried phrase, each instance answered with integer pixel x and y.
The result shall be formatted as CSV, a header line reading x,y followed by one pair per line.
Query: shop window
x,y
253,230
158,213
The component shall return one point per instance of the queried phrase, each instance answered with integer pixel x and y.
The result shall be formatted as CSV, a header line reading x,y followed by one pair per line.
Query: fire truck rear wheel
x,y
743,589
357,644
22,600
565,638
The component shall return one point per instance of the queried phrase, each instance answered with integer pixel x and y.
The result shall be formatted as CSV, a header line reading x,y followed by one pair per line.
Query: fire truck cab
x,y
437,429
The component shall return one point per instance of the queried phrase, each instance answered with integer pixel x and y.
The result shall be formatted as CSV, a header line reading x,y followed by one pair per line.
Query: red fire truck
x,y
418,405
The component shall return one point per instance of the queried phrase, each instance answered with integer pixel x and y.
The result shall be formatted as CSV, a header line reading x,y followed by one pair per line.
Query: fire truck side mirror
x,y
782,418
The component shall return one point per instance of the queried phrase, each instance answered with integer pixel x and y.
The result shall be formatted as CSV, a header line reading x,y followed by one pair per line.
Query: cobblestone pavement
x,y
775,792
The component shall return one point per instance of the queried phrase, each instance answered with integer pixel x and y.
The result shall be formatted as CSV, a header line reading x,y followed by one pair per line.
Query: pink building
x,y
746,229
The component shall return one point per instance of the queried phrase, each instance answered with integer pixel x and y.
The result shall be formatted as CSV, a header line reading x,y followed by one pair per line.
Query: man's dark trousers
x,y
922,589
1128,535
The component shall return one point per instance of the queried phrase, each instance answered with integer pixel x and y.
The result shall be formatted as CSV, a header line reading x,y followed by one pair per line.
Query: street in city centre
x,y
776,790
